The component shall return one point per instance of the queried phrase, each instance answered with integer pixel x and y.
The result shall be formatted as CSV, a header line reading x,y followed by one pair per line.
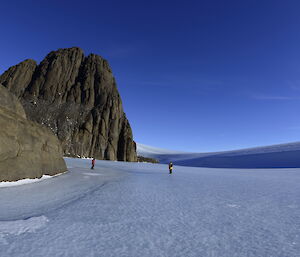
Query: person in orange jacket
x,y
93,163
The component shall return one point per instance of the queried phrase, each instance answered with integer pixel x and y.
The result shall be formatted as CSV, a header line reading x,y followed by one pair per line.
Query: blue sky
x,y
193,75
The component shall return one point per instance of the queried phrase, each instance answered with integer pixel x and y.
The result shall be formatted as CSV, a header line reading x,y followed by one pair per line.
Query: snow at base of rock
x,y
23,181
26,181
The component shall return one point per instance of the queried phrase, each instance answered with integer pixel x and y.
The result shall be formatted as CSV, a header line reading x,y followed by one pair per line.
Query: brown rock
x,y
27,149
77,98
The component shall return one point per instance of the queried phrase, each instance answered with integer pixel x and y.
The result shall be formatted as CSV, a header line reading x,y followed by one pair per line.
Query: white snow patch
x,y
233,205
92,174
82,157
23,181
18,227
26,181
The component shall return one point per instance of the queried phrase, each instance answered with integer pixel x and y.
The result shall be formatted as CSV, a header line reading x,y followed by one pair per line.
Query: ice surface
x,y
274,156
135,209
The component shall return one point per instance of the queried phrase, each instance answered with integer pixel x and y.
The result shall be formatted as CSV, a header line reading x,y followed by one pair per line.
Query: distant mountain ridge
x,y
77,98
273,156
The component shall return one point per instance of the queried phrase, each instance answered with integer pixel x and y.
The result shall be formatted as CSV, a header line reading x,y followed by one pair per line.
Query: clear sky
x,y
202,75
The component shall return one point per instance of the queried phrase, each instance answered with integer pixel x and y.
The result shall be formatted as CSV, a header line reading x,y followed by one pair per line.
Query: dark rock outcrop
x,y
77,98
146,159
27,149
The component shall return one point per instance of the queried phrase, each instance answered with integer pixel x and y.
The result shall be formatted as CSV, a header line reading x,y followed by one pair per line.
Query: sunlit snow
x,y
25,181
137,209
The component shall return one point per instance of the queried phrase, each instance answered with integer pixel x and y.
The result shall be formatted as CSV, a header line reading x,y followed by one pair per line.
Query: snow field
x,y
141,210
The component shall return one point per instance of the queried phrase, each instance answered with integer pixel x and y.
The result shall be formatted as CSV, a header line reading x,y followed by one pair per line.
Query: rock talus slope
x,y
77,98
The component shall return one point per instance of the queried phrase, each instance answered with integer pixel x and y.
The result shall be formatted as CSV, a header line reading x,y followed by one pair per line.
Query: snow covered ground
x,y
137,209
273,156
23,181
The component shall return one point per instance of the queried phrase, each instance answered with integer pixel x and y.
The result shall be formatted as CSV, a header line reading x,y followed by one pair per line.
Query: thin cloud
x,y
274,97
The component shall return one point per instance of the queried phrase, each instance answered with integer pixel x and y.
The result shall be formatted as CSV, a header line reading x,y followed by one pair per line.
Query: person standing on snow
x,y
170,167
93,163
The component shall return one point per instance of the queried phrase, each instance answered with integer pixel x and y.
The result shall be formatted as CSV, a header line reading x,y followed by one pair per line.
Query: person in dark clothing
x,y
93,163
170,167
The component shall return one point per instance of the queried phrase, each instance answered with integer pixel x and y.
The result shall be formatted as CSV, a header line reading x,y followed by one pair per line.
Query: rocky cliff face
x,y
27,150
77,98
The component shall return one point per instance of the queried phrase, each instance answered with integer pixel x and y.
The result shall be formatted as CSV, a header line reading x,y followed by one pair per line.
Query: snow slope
x,y
274,156
137,209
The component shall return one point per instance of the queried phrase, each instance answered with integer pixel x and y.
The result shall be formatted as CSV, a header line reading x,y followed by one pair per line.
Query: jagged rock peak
x,y
77,97
18,77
